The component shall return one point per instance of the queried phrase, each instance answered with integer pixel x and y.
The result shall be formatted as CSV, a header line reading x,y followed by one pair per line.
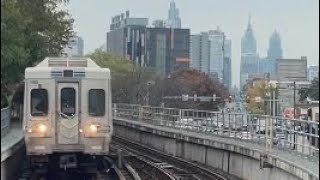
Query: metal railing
x,y
295,136
5,121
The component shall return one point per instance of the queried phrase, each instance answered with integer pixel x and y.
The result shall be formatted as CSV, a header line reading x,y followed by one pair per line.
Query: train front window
x,y
97,100
39,102
68,101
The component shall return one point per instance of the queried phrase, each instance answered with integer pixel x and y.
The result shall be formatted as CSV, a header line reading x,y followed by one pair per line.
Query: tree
x,y
129,82
133,84
260,89
30,31
192,82
13,50
312,92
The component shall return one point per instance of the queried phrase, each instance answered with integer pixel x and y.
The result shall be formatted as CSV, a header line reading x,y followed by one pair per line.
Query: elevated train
x,y
67,109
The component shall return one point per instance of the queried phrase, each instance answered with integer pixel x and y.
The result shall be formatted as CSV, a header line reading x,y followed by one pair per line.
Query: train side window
x,y
39,102
97,102
68,101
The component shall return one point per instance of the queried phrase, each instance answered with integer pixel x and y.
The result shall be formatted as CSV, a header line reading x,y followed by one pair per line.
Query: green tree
x,y
128,81
13,49
30,31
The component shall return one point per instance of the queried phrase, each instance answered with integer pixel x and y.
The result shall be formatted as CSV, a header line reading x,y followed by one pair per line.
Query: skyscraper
x,y
200,52
165,49
249,56
216,38
174,20
248,41
211,54
268,64
227,80
275,49
127,38
74,47
168,50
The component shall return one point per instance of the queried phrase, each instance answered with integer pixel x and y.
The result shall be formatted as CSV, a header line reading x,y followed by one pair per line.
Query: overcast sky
x,y
297,21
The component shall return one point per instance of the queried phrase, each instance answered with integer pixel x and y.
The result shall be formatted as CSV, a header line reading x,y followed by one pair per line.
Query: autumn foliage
x,y
136,85
192,82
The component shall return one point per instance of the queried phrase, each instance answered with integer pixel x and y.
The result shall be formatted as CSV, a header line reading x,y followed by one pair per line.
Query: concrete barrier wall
x,y
239,165
5,121
12,147
12,166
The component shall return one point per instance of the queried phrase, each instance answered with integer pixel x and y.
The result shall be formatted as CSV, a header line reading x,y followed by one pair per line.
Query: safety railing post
x,y
269,134
180,119
140,113
114,111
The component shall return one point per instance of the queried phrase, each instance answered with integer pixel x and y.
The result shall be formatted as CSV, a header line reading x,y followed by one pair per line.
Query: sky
x,y
297,21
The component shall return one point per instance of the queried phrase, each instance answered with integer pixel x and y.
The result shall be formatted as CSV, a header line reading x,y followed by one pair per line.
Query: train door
x,y
67,123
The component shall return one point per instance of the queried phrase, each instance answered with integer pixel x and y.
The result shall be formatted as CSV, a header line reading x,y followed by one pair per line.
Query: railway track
x,y
177,168
126,172
139,167
102,168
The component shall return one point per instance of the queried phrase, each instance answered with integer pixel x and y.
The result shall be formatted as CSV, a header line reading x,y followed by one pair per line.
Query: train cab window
x,y
68,101
97,102
39,102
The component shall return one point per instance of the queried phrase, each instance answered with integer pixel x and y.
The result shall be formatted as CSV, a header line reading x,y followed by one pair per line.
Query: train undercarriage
x,y
61,166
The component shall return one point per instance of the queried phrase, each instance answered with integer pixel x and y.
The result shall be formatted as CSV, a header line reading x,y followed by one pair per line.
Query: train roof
x,y
68,62
53,67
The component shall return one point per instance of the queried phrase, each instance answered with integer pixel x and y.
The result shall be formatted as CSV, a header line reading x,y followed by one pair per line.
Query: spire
x,y
248,42
275,34
172,4
249,21
275,49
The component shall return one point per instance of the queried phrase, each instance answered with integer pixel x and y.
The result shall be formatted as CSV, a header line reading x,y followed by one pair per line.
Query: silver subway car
x,y
67,107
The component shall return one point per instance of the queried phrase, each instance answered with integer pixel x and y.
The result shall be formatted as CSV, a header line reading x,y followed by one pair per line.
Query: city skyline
x,y
295,23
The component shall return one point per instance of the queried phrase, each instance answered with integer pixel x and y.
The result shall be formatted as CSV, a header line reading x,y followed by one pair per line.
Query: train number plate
x,y
96,147
39,147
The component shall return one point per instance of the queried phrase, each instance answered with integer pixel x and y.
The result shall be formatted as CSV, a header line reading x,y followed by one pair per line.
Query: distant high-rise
x,y
168,50
162,48
248,41
174,20
211,54
127,38
249,56
74,47
292,69
268,64
216,38
200,52
227,64
313,72
275,49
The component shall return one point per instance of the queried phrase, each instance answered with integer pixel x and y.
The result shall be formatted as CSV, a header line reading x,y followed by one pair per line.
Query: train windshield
x,y
97,99
68,101
39,102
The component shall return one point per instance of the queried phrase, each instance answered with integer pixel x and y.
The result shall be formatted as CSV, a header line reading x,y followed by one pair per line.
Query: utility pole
x,y
294,100
223,70
294,115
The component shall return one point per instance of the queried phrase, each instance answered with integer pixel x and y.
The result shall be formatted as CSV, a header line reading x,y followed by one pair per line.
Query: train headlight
x,y
42,128
93,128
